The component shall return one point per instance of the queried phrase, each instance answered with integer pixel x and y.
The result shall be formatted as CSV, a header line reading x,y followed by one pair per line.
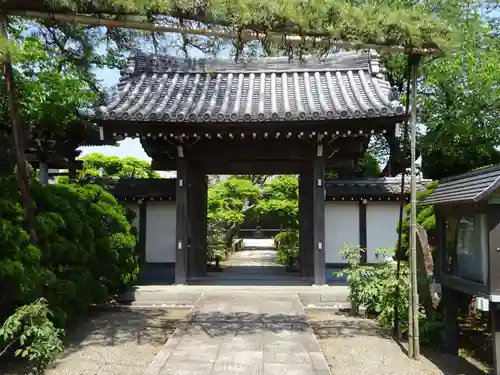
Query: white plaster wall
x,y
341,228
381,223
160,232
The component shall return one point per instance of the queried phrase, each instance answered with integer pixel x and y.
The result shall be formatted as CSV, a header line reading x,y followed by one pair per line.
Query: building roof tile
x,y
343,86
374,187
466,188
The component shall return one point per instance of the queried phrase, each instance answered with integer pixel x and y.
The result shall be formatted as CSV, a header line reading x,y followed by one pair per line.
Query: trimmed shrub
x,y
86,250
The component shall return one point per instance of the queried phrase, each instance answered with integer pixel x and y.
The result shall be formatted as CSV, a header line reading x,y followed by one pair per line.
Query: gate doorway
x,y
243,245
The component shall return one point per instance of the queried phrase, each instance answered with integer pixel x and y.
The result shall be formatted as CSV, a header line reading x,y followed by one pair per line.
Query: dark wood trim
x,y
262,166
157,273
449,298
369,197
142,231
336,265
158,128
465,286
319,221
196,214
363,239
438,267
468,208
493,225
181,231
495,333
305,221
145,197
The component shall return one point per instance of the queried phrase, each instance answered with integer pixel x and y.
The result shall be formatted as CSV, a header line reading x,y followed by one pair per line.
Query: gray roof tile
x,y
374,187
469,187
345,85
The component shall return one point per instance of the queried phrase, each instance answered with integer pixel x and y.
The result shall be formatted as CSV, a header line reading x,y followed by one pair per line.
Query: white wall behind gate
x,y
381,223
341,228
160,232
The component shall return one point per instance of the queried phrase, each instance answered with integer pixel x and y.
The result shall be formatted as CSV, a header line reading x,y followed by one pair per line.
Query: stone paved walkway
x,y
245,334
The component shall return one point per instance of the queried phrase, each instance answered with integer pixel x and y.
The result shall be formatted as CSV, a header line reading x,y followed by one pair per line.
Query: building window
x,y
466,247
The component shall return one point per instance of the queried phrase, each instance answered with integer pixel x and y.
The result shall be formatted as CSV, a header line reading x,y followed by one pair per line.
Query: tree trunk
x,y
425,270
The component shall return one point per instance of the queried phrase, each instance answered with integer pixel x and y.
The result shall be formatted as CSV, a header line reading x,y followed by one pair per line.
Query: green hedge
x,y
86,251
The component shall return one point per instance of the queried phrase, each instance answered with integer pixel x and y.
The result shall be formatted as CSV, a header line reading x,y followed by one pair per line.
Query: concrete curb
x,y
343,309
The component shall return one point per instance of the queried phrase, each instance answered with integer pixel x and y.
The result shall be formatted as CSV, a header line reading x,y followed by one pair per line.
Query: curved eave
x,y
164,94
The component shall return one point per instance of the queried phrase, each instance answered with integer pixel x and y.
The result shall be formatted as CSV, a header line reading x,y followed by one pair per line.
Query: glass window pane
x,y
471,248
450,243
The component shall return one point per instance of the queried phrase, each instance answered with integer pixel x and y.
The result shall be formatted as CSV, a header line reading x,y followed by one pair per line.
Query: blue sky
x,y
128,147
132,147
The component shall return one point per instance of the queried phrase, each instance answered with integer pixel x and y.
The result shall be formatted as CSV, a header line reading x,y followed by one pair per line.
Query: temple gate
x,y
268,116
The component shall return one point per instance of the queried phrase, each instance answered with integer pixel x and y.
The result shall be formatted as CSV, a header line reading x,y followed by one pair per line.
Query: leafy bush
x,y
31,324
425,218
217,248
86,250
374,287
287,247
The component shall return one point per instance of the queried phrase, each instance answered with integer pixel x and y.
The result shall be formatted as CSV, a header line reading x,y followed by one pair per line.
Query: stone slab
x,y
187,295
252,333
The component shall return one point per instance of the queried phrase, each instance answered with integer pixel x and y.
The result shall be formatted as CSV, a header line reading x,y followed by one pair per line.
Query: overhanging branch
x,y
246,34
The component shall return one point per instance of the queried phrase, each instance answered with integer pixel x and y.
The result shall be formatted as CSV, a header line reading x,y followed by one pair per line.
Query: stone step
x,y
188,295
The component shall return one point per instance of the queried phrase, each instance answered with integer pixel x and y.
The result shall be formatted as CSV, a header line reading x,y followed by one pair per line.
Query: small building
x,y
468,247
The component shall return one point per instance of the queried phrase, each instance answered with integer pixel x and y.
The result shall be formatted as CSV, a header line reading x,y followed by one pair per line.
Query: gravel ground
x,y
115,342
355,346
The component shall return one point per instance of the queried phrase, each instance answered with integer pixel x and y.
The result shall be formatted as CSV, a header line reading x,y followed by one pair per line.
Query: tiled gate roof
x,y
345,85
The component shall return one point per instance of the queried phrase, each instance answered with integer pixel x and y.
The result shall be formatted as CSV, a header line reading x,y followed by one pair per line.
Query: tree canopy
x,y
99,165
385,23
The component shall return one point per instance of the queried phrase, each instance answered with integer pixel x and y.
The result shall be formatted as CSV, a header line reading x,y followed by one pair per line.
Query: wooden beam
x,y
197,211
245,149
450,319
306,236
319,221
158,129
495,333
227,33
262,166
181,231
254,167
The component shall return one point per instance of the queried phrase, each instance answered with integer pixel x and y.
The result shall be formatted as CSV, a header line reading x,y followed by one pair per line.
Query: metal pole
x,y
413,218
15,118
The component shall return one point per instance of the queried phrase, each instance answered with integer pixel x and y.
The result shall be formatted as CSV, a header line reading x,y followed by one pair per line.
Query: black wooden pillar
x,y
72,166
306,236
181,230
143,225
450,314
495,332
319,221
196,221
204,222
